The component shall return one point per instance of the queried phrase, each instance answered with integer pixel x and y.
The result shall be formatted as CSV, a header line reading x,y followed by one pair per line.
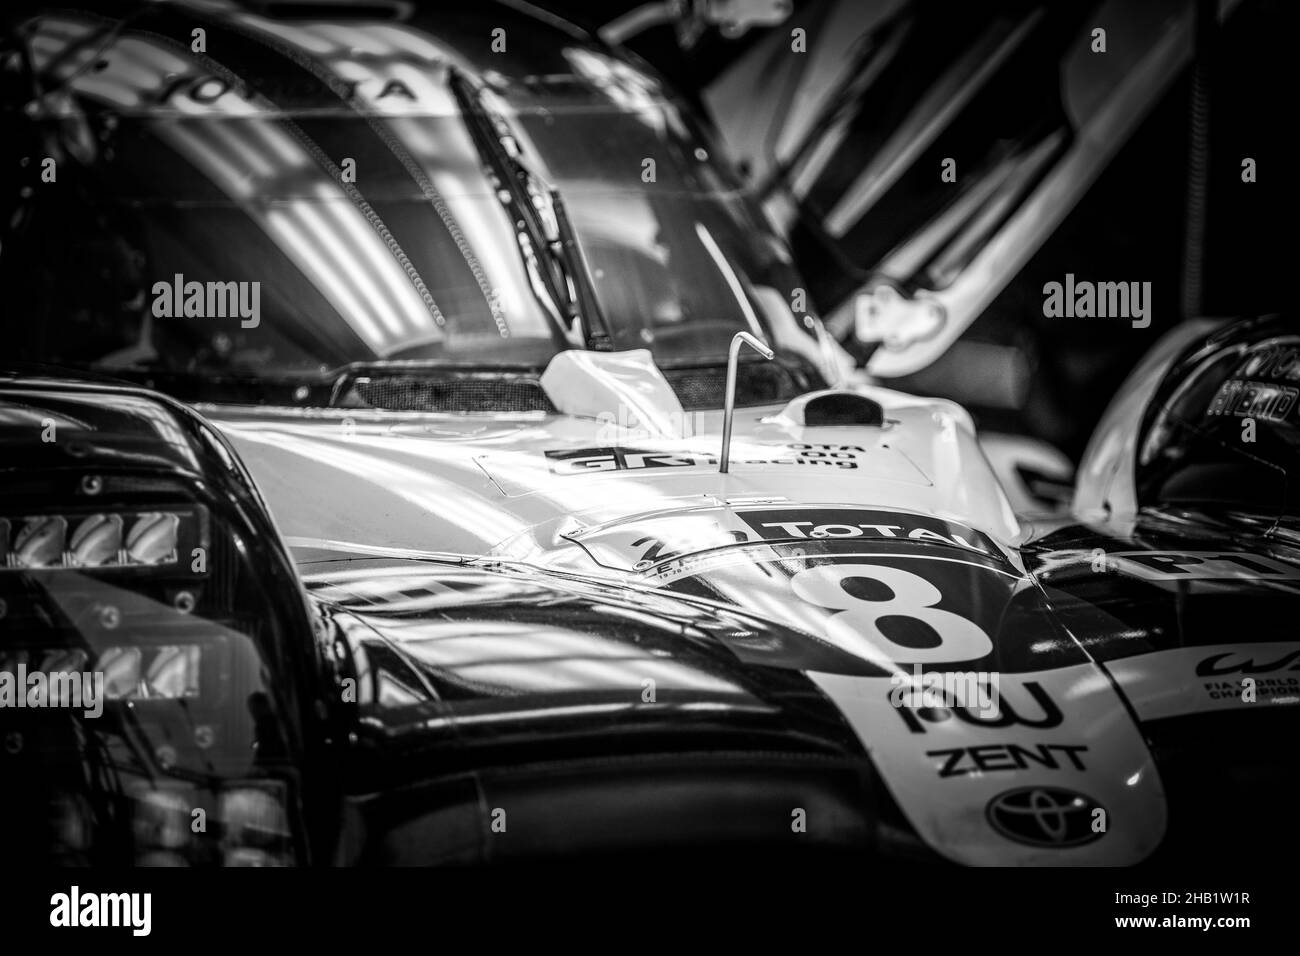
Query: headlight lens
x,y
39,542
96,541
143,539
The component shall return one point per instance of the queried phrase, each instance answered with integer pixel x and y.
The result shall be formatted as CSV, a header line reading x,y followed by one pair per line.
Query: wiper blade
x,y
595,328
546,238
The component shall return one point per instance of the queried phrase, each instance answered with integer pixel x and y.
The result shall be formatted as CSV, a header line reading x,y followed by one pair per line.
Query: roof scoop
x,y
625,388
832,406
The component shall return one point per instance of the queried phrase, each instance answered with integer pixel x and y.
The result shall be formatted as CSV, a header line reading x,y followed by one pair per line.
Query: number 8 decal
x,y
855,627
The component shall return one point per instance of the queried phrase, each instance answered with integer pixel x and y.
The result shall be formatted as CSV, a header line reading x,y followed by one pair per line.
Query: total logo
x,y
822,524
1047,817
810,529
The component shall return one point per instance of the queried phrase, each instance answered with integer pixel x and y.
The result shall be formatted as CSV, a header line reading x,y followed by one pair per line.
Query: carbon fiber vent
x,y
756,384
470,394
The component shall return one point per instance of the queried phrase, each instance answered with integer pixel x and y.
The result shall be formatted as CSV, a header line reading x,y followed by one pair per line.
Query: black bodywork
x,y
438,711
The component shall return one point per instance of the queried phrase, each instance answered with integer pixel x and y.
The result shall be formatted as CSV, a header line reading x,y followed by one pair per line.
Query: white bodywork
x,y
483,484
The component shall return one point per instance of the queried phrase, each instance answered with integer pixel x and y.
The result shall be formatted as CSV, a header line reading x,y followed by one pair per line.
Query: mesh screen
x,y
756,384
454,395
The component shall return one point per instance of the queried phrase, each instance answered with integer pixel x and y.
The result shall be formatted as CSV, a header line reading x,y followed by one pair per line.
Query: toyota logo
x,y
1044,816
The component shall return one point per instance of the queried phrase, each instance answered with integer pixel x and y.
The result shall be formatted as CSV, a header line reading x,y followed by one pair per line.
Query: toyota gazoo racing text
x,y
362,434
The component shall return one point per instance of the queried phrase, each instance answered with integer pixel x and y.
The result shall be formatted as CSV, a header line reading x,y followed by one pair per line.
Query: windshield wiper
x,y
550,248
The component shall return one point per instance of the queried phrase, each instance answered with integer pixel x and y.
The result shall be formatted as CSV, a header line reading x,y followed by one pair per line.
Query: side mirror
x,y
882,314
735,17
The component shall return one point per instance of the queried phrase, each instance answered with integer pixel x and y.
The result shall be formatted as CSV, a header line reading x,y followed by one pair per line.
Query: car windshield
x,y
203,222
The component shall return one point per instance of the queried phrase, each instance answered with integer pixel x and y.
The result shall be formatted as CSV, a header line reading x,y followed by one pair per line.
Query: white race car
x,y
423,453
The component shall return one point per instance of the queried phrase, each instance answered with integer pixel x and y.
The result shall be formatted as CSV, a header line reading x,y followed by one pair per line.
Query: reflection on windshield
x,y
369,234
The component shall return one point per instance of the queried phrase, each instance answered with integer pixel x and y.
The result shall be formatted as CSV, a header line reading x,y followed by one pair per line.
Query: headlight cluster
x,y
157,658
141,539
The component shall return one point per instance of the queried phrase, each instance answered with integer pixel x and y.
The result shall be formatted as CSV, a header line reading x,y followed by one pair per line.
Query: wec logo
x,y
1220,664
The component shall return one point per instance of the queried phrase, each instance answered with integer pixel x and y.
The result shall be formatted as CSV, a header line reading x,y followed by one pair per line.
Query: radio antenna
x,y
729,409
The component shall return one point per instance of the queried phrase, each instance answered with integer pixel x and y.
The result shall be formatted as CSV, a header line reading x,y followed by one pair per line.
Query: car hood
x,y
524,486
526,596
